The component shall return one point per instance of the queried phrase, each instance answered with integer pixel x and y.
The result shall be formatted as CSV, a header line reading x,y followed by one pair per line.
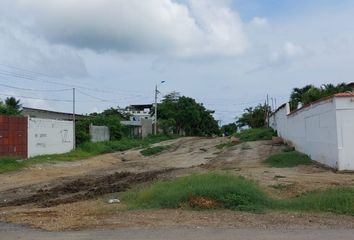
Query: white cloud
x,y
201,27
20,48
288,52
259,22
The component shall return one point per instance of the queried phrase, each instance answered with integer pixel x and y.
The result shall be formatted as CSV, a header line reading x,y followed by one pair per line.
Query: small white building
x,y
324,130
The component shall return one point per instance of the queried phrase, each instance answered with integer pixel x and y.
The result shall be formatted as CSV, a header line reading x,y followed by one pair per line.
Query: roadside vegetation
x,y
218,191
256,134
200,191
288,159
84,150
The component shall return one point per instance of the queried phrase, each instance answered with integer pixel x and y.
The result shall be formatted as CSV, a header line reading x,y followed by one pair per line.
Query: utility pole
x,y
74,124
155,125
267,110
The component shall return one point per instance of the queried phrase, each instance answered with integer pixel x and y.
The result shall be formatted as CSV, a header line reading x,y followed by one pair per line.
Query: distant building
x,y
47,114
138,112
141,121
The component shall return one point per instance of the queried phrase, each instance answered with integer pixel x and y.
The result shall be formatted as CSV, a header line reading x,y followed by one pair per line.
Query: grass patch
x,y
229,191
338,200
255,134
84,150
236,193
288,159
9,164
224,145
154,150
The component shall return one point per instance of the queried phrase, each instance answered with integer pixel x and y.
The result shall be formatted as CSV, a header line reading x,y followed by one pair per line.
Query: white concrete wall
x,y
345,129
312,130
47,136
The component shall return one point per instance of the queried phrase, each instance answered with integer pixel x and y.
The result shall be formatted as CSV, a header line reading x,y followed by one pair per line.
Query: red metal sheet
x,y
13,136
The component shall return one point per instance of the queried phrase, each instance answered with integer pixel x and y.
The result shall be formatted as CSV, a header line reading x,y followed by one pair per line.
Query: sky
x,y
227,54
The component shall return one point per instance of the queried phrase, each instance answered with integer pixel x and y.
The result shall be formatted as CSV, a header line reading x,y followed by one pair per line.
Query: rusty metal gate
x,y
13,136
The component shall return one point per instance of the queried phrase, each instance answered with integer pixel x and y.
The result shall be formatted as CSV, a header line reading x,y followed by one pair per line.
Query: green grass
x,y
255,134
154,150
235,193
9,164
288,159
232,192
338,200
224,145
85,150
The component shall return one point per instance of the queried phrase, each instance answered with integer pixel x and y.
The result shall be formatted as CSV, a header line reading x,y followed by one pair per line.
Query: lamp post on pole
x,y
156,94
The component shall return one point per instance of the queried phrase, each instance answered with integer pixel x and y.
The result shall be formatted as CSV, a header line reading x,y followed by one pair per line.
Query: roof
x,y
27,109
345,94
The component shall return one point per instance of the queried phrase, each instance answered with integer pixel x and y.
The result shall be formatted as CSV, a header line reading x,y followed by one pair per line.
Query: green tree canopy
x,y
310,93
180,114
253,117
12,106
229,129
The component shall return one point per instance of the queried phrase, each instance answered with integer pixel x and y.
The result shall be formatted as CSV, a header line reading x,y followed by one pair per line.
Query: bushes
x,y
255,134
111,121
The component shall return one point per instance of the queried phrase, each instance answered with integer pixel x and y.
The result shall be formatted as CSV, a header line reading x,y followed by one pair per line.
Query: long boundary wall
x,y
323,130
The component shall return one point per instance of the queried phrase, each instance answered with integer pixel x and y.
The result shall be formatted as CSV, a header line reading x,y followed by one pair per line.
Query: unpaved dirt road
x,y
73,195
10,232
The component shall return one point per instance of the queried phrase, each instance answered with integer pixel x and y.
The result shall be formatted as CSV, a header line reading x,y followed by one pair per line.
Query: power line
x,y
35,90
30,76
35,98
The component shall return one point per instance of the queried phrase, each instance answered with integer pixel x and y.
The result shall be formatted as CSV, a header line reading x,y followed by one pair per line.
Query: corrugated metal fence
x,y
13,136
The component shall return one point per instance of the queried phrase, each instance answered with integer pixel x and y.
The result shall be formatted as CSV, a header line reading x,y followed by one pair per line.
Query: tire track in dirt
x,y
80,189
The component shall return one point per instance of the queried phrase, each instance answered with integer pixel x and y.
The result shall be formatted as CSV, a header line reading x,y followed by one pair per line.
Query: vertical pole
x,y
267,110
155,125
74,124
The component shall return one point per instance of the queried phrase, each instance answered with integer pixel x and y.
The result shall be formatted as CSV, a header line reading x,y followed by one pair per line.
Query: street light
x,y
156,93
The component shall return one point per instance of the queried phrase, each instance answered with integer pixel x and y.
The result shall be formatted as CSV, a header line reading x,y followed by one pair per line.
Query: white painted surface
x,y
323,130
46,136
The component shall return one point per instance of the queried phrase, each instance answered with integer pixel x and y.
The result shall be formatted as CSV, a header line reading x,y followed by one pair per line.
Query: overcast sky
x,y
226,54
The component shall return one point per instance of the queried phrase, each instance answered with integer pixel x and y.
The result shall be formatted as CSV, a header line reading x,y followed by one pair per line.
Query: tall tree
x,y
183,114
253,117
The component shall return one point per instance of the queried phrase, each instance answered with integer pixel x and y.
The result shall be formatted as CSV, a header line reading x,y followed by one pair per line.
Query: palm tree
x,y
13,103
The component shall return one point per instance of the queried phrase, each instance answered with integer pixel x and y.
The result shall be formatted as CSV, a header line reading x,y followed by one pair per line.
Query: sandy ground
x,y
24,195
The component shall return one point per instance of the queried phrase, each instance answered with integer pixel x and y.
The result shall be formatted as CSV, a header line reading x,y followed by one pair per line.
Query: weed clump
x,y
288,159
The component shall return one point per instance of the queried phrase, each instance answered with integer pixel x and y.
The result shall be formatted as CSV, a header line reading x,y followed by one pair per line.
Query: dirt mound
x,y
84,188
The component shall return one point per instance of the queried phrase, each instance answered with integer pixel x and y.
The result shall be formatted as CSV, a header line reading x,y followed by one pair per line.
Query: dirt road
x,y
10,232
73,195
